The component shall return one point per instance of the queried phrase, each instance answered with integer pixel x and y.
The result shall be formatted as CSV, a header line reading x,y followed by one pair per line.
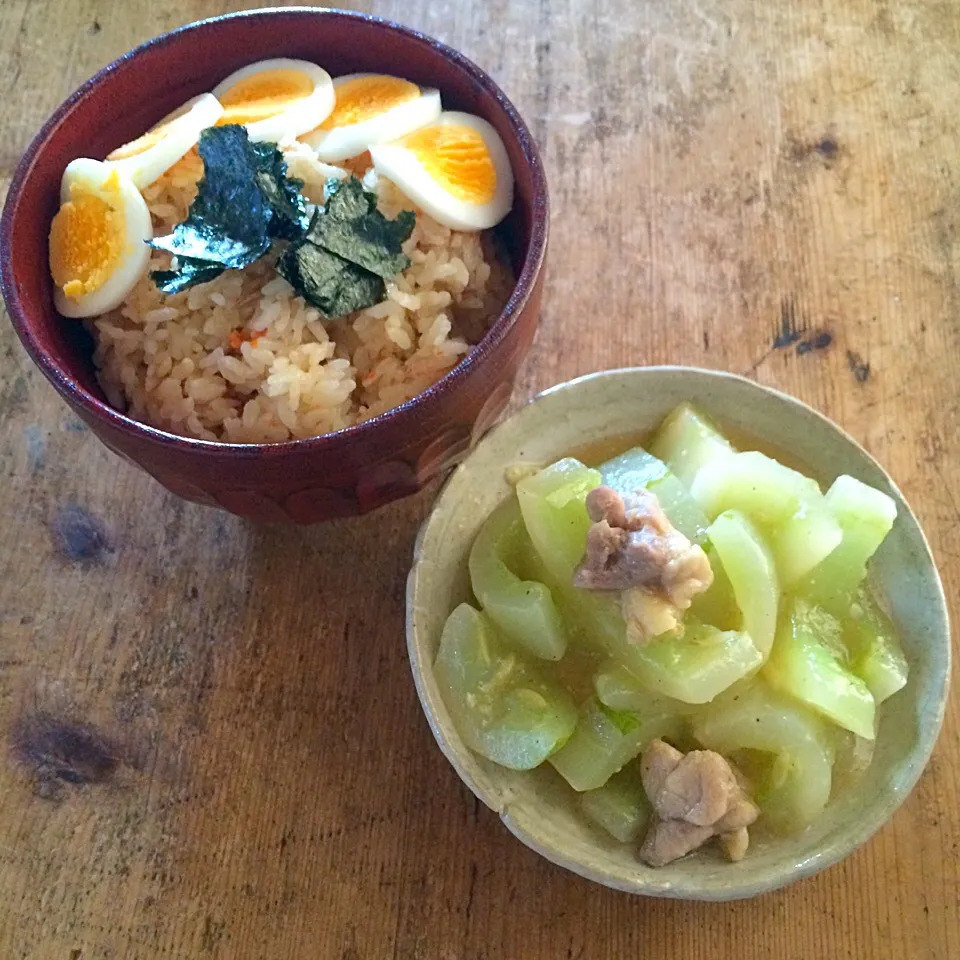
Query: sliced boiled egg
x,y
98,239
456,170
371,108
276,100
148,157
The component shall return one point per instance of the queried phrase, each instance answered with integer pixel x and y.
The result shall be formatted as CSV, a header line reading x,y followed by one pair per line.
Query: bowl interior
x,y
539,807
136,91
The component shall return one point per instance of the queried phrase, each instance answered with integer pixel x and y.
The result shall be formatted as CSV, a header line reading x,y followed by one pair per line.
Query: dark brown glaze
x,y
306,481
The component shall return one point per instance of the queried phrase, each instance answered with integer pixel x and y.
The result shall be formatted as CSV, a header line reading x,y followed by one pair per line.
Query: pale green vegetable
x,y
779,665
750,567
754,484
555,515
809,662
873,648
803,540
605,740
636,469
681,509
592,615
852,756
501,706
620,689
696,666
620,806
632,470
786,505
523,610
686,441
865,516
793,787
717,605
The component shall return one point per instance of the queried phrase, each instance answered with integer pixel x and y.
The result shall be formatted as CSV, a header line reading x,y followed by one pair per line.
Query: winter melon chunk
x,y
696,666
809,661
620,806
785,505
619,688
793,783
752,572
865,515
523,609
605,740
553,504
753,483
803,540
686,441
717,605
874,650
500,705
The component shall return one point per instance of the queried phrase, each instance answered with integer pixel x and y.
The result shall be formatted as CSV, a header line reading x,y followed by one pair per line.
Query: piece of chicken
x,y
632,547
695,796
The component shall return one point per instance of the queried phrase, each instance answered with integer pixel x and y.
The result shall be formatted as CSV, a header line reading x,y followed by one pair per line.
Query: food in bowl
x,y
686,634
285,256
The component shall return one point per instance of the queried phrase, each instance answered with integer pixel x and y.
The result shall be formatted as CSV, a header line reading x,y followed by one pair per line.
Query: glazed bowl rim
x,y
394,418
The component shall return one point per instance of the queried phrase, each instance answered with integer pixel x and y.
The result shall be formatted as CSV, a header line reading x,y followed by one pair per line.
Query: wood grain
x,y
212,744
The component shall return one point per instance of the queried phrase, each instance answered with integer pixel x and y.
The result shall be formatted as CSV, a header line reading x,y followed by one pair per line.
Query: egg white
x,y
350,140
95,177
301,115
181,131
399,164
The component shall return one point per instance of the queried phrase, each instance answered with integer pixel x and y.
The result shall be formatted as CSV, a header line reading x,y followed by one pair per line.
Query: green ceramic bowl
x,y
537,806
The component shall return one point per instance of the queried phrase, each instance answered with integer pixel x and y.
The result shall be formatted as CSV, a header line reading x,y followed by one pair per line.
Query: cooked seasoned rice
x,y
243,360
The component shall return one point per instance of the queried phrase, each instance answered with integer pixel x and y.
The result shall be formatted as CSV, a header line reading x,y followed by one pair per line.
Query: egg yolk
x,y
457,159
264,95
86,242
138,146
367,97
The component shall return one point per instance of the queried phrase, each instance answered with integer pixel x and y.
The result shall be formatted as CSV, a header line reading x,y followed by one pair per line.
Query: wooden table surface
x,y
212,745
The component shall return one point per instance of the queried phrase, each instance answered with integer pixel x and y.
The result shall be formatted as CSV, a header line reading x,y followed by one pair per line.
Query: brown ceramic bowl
x,y
339,474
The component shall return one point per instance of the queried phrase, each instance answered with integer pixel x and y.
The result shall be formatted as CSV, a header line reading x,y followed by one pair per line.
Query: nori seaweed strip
x,y
228,221
337,260
333,285
189,272
289,220
351,226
